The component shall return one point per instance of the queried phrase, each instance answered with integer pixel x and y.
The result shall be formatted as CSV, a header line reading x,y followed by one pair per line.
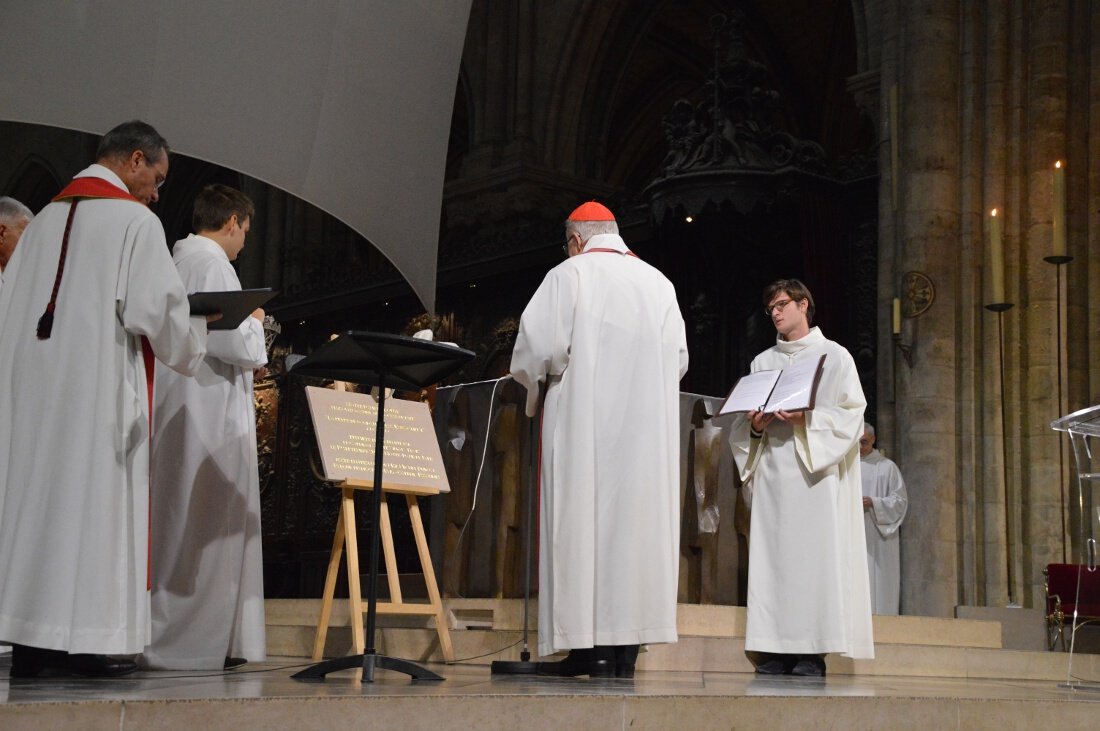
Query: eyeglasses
x,y
776,306
159,180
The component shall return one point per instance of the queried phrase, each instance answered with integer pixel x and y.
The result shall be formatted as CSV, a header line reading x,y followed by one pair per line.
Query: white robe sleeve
x,y
152,301
243,347
545,331
888,512
831,430
676,332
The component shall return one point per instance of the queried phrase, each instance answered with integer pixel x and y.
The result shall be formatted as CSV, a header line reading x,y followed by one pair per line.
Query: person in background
x,y
14,217
884,505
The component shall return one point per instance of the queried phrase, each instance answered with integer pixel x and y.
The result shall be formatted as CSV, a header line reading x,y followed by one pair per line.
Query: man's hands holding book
x,y
759,420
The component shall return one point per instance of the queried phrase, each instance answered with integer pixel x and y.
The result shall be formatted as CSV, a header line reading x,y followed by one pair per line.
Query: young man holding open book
x,y
797,450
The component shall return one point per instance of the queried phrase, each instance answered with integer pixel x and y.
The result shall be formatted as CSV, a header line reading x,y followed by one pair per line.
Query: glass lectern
x,y
1083,428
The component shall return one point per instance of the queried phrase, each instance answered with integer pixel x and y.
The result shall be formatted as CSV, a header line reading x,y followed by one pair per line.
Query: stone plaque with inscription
x,y
345,425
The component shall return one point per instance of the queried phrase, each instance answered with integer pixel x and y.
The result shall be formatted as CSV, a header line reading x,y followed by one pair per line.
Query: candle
x,y
1059,237
996,259
897,316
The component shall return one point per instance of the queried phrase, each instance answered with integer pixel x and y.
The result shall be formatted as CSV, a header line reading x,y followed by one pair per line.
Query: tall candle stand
x,y
1000,308
1058,260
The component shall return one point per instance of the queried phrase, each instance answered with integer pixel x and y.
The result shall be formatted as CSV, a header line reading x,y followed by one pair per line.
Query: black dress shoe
x,y
234,662
99,666
597,662
37,662
625,657
29,662
574,664
772,663
810,666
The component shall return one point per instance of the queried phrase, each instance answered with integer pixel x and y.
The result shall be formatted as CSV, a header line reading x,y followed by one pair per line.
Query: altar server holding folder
x,y
208,597
808,593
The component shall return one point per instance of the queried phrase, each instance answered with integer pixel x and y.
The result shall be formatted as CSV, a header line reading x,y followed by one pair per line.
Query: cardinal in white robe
x,y
605,333
807,589
208,599
78,333
884,505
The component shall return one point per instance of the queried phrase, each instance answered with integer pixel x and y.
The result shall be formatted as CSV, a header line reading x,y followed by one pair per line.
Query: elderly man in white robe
x,y
604,331
807,591
88,302
14,217
208,598
884,505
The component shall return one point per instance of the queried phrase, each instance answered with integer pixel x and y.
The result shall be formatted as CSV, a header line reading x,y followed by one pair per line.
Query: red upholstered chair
x,y
1063,599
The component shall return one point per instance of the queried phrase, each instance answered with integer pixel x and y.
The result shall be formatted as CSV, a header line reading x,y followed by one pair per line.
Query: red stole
x,y
75,191
93,188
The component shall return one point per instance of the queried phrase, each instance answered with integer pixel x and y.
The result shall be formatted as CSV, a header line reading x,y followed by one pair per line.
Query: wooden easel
x,y
346,539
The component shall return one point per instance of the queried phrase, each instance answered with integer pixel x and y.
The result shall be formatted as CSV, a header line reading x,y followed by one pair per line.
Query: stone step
x,y
711,640
693,620
709,654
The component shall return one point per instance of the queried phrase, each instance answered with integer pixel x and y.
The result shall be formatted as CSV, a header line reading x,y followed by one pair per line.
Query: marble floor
x,y
263,695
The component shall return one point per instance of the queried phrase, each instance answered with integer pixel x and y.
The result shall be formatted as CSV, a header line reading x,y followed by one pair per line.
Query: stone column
x,y
928,234
981,147
1042,386
1084,228
1081,277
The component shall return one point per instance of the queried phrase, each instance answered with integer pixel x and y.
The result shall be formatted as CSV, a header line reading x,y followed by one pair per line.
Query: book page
x,y
795,388
750,393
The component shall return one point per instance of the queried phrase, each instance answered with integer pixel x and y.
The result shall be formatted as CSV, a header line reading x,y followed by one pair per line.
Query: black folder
x,y
234,306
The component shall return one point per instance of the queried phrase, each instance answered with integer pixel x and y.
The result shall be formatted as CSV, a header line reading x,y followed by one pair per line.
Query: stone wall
x,y
989,96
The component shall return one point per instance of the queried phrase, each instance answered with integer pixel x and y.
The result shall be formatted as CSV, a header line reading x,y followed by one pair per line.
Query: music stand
x,y
385,361
525,666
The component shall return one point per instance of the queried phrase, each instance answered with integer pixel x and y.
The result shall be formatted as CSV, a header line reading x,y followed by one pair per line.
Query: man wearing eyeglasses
x,y
808,591
604,331
86,306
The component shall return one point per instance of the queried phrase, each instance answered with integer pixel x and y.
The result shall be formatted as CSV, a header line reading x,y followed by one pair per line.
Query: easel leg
x,y
355,592
392,579
330,588
441,624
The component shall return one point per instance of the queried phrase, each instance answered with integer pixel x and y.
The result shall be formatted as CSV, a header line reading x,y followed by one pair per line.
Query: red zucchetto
x,y
591,211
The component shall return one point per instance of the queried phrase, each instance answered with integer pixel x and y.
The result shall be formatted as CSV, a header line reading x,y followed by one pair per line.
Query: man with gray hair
x,y
604,331
14,217
884,505
90,301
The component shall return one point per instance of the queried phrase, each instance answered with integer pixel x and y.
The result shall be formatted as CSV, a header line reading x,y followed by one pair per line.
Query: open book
x,y
793,388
